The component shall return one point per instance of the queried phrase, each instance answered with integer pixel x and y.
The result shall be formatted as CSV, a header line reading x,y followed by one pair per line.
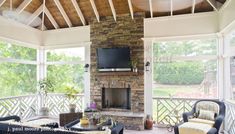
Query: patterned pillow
x,y
206,115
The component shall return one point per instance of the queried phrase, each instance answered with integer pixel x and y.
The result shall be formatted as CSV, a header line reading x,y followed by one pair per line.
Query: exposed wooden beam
x,y
23,5
95,10
151,8
2,2
171,7
131,9
193,6
66,18
212,5
113,9
35,15
79,12
50,17
10,4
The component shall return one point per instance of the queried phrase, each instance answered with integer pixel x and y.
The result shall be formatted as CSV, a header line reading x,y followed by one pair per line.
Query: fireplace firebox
x,y
119,98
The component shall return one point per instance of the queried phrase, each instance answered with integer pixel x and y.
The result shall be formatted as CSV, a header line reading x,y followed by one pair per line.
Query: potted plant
x,y
134,63
45,85
71,93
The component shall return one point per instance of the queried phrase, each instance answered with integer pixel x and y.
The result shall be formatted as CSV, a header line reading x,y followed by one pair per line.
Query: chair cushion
x,y
194,128
206,114
196,120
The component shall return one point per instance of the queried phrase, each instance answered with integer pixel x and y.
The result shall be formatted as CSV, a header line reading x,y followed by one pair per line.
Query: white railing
x,y
28,106
23,106
59,103
168,110
230,117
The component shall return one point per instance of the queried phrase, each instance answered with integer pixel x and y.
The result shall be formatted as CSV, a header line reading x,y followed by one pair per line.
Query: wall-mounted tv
x,y
113,59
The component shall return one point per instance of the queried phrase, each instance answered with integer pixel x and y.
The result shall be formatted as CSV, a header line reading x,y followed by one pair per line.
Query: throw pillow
x,y
207,115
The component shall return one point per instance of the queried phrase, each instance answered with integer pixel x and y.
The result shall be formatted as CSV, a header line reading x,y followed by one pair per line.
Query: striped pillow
x,y
206,115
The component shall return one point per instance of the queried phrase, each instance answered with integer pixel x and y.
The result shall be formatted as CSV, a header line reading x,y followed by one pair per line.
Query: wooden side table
x,y
66,118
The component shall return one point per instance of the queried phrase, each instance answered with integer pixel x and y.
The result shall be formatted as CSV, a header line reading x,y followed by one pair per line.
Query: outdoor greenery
x,y
21,79
167,71
15,78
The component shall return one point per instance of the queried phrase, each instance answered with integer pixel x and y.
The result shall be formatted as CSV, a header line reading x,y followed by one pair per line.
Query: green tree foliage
x,y
182,72
66,75
15,78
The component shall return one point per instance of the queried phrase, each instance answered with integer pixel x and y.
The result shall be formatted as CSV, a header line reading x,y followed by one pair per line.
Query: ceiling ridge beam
x,y
193,6
151,8
51,18
23,5
43,15
79,12
95,10
131,9
113,9
2,2
65,16
212,5
35,15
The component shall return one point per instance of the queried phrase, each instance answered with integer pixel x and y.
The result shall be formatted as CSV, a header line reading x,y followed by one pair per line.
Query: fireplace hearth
x,y
118,98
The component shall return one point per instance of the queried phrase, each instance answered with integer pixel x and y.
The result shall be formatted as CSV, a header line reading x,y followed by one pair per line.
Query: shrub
x,y
179,73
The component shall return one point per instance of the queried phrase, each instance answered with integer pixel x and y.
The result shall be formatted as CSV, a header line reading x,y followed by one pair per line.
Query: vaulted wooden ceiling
x,y
56,14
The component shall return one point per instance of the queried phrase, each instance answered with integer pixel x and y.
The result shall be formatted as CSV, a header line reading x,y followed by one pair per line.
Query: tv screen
x,y
113,58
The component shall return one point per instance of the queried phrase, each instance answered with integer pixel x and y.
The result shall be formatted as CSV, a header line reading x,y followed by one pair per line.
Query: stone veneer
x,y
124,32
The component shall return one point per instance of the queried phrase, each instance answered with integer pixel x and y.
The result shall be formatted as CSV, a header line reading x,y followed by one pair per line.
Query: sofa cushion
x,y
194,128
197,120
207,105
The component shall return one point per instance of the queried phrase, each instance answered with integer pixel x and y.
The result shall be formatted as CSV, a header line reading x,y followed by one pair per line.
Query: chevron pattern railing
x,y
168,111
59,103
230,117
23,106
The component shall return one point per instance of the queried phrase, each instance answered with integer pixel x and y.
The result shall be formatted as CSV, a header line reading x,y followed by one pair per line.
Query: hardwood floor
x,y
155,130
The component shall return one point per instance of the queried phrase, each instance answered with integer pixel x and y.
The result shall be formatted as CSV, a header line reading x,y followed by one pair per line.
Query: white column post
x,y
227,81
148,77
41,71
87,78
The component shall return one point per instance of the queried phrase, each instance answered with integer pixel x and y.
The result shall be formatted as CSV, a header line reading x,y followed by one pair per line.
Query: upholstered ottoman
x,y
194,128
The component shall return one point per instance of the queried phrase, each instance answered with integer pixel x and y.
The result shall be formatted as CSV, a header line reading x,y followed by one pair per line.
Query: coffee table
x,y
88,127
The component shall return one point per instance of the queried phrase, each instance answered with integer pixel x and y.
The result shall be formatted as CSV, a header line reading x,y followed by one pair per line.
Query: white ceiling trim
x,y
2,2
113,9
23,5
51,18
35,15
65,16
131,9
95,10
79,12
212,5
151,8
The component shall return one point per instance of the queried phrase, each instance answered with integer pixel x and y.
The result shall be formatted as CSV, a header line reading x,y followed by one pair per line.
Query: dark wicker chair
x,y
218,119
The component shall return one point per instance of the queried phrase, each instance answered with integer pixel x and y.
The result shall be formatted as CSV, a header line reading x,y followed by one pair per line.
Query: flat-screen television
x,y
113,59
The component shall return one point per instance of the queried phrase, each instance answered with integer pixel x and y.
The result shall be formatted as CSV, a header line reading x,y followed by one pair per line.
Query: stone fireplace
x,y
116,98
129,86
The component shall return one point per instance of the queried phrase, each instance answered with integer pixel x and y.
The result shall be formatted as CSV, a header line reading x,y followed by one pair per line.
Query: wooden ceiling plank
x,y
79,12
95,10
2,2
35,15
212,5
171,7
151,8
65,16
131,9
50,17
193,6
43,14
113,9
23,5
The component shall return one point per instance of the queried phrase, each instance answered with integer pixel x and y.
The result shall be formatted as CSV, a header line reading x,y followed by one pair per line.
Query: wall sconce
x,y
147,66
86,67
